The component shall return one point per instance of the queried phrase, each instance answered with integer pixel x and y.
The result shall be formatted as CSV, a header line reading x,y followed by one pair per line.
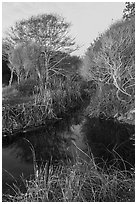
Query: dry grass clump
x,y
81,182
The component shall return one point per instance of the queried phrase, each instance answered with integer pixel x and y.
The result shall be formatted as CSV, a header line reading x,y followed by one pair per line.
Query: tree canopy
x,y
32,44
110,63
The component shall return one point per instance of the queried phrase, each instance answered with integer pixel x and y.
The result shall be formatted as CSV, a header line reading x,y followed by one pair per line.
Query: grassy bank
x,y
82,182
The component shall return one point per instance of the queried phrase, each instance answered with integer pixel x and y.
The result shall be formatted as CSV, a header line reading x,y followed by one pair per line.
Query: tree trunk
x,y
11,78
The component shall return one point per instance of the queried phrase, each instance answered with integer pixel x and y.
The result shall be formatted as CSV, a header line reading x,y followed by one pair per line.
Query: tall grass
x,y
81,182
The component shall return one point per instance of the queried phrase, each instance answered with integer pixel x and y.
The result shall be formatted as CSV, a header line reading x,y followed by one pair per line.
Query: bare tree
x,y
114,62
44,36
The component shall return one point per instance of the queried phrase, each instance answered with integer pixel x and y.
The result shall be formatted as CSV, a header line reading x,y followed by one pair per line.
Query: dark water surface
x,y
15,163
19,154
102,137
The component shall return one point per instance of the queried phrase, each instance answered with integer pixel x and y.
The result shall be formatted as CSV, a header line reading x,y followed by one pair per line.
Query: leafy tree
x,y
16,63
24,61
42,35
129,11
28,62
111,65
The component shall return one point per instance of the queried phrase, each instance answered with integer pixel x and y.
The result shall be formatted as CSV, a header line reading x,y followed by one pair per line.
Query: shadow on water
x,y
111,141
14,165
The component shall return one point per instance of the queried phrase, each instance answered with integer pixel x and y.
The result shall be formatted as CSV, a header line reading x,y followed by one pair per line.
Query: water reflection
x,y
102,136
18,157
13,166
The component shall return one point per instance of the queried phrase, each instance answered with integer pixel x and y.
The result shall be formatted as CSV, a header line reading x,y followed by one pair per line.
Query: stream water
x,y
102,136
18,154
15,165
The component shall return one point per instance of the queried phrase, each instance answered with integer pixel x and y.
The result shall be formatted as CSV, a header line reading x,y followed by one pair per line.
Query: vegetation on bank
x,y
53,86
22,111
48,84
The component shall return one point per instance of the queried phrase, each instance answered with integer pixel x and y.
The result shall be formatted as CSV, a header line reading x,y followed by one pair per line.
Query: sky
x,y
88,19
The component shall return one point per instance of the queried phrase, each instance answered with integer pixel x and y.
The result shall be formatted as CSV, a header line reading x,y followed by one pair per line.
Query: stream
x,y
18,154
102,136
